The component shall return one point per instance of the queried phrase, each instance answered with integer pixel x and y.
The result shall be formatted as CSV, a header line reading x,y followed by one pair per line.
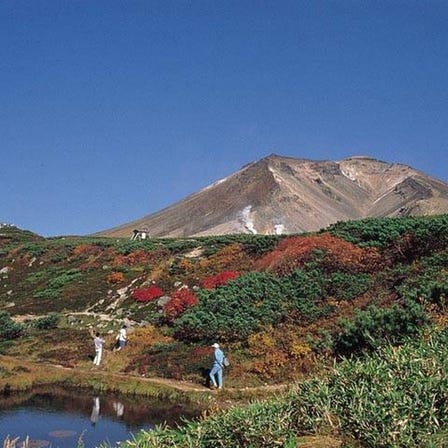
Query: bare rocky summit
x,y
288,195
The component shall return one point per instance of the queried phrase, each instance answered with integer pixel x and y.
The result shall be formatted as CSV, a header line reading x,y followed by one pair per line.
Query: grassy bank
x,y
21,376
18,375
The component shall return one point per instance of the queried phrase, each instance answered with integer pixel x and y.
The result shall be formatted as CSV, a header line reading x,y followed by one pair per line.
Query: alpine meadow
x,y
336,337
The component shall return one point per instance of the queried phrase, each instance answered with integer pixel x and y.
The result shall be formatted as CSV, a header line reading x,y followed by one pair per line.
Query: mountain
x,y
288,195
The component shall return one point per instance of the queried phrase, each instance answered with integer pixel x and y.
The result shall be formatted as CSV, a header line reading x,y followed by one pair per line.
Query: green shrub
x,y
305,283
178,246
429,289
55,285
34,249
375,326
47,293
304,294
253,245
234,311
48,322
125,247
428,231
14,234
64,278
258,299
344,286
36,277
257,245
8,328
428,282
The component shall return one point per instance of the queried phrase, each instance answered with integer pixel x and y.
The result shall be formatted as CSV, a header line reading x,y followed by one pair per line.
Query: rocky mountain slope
x,y
287,195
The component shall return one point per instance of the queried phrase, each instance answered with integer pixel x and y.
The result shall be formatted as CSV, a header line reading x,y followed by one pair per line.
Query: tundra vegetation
x,y
353,318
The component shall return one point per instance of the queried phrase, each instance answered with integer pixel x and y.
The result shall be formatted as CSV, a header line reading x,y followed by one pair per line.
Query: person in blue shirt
x,y
217,368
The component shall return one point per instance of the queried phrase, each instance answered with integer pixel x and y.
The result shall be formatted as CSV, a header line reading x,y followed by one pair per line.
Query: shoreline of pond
x,y
17,375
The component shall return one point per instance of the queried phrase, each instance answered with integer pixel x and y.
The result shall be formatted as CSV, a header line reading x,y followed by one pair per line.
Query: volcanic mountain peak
x,y
287,195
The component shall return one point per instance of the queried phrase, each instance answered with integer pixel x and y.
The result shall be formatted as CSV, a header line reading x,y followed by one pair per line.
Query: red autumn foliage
x,y
292,253
219,279
147,294
180,301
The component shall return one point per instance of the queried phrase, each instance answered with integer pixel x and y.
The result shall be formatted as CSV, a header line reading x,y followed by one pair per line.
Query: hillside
x,y
284,195
277,303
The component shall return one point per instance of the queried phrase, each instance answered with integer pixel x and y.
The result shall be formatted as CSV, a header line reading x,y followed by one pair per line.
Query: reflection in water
x,y
119,408
64,416
95,415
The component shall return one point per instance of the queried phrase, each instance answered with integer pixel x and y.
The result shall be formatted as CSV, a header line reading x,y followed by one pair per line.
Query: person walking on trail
x,y
122,338
217,367
99,342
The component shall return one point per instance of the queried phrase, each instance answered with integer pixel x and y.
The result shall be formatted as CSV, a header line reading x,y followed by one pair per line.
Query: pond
x,y
56,417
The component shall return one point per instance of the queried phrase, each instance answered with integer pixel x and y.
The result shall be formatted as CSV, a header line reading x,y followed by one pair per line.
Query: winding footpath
x,y
178,385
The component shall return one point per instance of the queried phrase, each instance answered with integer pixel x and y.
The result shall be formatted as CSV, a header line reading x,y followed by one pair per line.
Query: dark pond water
x,y
58,418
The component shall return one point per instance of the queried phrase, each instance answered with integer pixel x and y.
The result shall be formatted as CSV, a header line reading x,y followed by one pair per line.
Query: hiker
x,y
217,368
99,342
122,338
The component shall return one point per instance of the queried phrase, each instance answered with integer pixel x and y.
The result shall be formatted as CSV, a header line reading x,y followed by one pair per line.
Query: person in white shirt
x,y
99,342
122,338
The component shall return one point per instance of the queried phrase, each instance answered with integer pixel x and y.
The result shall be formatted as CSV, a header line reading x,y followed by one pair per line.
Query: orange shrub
x,y
139,256
87,250
231,257
115,278
337,255
275,348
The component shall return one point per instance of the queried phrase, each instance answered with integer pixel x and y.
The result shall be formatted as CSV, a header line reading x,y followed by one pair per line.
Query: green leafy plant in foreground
x,y
262,424
396,397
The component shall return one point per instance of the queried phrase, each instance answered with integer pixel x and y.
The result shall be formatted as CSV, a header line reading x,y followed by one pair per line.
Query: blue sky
x,y
111,110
